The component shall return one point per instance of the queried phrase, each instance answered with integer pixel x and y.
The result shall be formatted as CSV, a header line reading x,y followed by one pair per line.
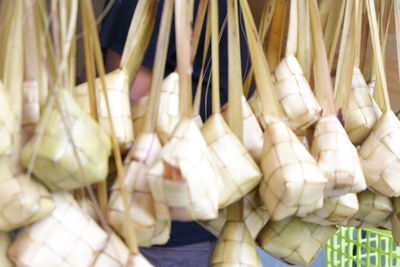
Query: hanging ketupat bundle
x,y
150,227
68,237
333,150
336,210
23,200
184,178
294,241
360,111
238,172
56,163
379,154
292,182
292,89
374,210
119,81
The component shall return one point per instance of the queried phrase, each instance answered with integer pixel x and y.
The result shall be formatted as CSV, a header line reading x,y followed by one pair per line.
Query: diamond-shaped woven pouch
x,y
336,210
294,241
292,183
184,178
118,97
238,171
294,94
361,112
337,158
68,237
150,229
380,156
374,210
56,164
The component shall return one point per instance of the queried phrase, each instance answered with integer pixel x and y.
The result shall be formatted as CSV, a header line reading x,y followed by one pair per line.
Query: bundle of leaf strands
x,y
238,172
374,211
293,92
379,158
331,147
293,241
336,210
292,182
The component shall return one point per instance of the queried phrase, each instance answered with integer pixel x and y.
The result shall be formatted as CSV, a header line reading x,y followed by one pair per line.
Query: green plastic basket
x,y
362,247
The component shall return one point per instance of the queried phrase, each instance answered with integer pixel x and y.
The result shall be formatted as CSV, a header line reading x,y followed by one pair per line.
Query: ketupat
x,y
374,210
335,154
68,237
150,228
292,89
294,241
118,95
379,152
56,164
336,210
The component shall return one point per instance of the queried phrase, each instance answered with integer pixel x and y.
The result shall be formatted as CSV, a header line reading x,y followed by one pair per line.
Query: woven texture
x,y
139,109
235,247
256,106
150,229
68,237
254,215
31,105
380,156
295,95
361,111
183,178
374,210
114,254
118,96
336,210
5,241
238,172
23,200
294,241
337,158
252,131
6,122
292,182
56,164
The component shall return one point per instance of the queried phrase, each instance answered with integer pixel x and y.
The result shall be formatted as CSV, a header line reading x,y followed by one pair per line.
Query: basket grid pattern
x,y
362,247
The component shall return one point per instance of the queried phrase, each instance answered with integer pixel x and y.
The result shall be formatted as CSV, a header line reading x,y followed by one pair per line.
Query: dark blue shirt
x,y
113,35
